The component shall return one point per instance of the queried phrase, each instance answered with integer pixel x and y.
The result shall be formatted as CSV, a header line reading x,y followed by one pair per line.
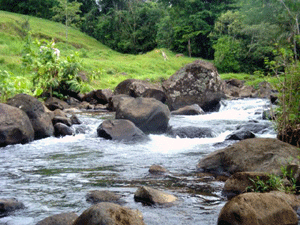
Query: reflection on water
x,y
52,176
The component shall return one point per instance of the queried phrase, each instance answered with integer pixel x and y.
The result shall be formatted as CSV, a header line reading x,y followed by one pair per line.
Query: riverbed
x,y
53,175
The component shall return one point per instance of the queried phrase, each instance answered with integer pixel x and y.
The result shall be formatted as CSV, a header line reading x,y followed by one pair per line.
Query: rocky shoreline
x,y
142,108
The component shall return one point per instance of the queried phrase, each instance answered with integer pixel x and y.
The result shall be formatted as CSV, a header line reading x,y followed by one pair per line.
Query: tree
x,y
68,13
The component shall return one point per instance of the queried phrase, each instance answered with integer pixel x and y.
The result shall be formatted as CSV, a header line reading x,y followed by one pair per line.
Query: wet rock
x,y
73,102
151,196
250,155
62,130
59,219
75,120
190,132
268,115
102,96
97,196
257,208
254,127
15,126
115,101
157,169
9,205
156,94
120,130
235,82
148,114
189,110
136,88
109,214
58,112
40,120
85,105
55,103
196,83
239,182
240,135
64,120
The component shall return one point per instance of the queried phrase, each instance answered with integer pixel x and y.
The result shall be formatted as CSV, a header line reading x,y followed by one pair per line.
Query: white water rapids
x,y
53,175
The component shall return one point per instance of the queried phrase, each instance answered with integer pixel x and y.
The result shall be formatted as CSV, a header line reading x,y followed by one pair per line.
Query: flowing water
x,y
52,175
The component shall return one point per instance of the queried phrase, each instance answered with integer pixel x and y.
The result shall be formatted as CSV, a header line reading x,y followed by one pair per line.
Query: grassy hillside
x,y
108,67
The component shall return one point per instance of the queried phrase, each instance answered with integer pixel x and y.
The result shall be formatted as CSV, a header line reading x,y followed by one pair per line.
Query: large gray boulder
x,y
196,83
148,114
106,213
120,130
35,110
260,209
15,126
250,155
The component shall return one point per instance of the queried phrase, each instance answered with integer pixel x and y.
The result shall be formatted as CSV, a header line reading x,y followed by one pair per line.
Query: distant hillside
x,y
105,67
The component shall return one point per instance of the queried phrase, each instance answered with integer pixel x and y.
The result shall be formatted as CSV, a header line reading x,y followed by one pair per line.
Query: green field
x,y
103,67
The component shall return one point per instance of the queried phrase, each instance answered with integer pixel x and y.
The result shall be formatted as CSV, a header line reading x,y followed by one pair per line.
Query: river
x,y
53,175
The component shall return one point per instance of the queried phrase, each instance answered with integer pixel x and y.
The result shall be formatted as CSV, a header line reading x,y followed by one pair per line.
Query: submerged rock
x,y
9,205
97,196
59,219
157,169
191,132
151,196
109,214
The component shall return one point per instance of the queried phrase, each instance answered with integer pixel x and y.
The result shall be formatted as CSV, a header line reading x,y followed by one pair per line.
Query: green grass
x,y
251,80
105,68
108,67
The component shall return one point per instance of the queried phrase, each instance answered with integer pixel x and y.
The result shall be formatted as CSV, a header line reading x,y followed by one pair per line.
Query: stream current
x,y
53,175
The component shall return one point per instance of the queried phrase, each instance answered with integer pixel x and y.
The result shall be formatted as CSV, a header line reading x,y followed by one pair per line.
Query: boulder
x,y
73,102
55,103
120,130
60,119
62,130
240,135
254,127
115,101
196,83
59,219
9,205
15,126
40,120
102,96
258,209
135,88
155,93
58,112
157,169
235,83
148,114
239,182
75,120
97,196
106,213
151,196
250,155
189,110
190,132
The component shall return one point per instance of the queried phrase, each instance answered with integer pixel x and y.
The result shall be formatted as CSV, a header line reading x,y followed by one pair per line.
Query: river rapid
x,y
53,175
